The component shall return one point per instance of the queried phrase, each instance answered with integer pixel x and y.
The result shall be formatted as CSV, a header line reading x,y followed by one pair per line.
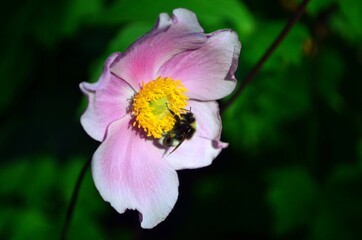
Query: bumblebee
x,y
184,128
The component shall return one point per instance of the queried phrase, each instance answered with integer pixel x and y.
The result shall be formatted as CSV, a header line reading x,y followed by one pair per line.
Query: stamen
x,y
152,104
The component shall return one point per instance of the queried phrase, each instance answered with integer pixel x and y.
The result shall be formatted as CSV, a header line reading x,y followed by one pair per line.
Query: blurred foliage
x,y
293,166
293,196
35,191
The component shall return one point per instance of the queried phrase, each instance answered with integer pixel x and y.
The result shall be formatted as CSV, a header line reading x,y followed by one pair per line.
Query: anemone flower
x,y
154,111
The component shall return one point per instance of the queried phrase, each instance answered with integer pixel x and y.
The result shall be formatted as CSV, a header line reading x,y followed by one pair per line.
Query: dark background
x,y
293,169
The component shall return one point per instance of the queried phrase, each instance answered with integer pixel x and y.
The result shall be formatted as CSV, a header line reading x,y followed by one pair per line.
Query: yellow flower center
x,y
153,104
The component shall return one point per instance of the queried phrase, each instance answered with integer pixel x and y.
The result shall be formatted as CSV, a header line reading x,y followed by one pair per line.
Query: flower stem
x,y
73,200
298,13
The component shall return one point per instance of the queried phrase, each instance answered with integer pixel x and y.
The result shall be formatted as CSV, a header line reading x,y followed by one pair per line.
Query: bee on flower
x,y
159,96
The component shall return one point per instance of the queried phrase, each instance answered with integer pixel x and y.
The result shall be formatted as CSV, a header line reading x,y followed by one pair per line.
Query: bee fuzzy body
x,y
184,129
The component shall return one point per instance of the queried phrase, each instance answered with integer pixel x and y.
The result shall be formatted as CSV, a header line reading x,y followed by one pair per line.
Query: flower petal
x,y
208,72
129,172
170,36
108,100
205,145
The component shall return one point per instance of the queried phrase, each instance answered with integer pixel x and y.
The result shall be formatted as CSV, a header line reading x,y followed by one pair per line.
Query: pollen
x,y
153,105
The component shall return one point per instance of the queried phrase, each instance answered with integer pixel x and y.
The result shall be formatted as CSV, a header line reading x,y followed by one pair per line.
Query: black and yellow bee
x,y
184,128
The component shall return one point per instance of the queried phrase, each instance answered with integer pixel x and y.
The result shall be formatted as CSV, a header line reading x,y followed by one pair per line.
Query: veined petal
x,y
170,36
129,172
207,72
205,145
107,101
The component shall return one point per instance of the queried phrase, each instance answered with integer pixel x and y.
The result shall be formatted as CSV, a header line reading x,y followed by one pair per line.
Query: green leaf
x,y
31,222
315,7
16,61
244,125
329,75
209,12
340,212
274,98
80,12
289,52
35,194
347,21
291,196
207,188
359,151
46,21
55,21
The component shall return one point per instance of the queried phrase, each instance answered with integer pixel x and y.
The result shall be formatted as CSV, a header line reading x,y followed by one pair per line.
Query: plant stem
x,y
73,200
299,12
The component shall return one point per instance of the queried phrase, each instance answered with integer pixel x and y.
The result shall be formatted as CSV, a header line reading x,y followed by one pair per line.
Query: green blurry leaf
x,y
289,52
13,176
56,20
233,14
41,172
47,21
330,70
209,12
34,196
25,194
347,22
36,23
340,213
291,195
316,6
79,12
281,93
32,223
243,124
16,57
207,188
359,151
257,115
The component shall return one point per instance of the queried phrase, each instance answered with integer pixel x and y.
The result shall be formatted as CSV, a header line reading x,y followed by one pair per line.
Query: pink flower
x,y
143,97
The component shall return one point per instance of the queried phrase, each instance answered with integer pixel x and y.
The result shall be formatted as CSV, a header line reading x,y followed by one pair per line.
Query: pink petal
x,y
108,101
207,72
187,19
169,37
205,145
129,172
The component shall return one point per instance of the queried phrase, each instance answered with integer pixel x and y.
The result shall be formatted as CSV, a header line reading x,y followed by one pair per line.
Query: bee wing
x,y
176,146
